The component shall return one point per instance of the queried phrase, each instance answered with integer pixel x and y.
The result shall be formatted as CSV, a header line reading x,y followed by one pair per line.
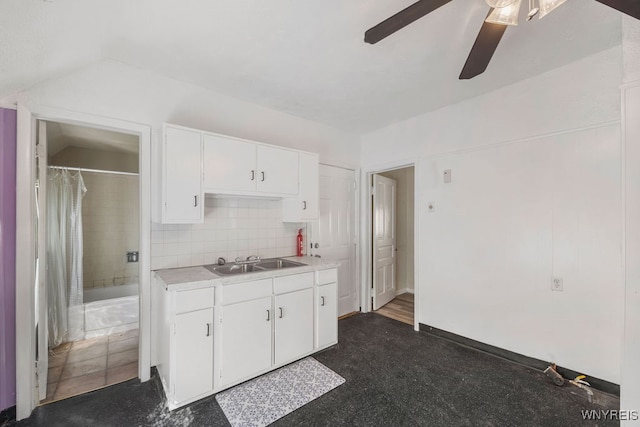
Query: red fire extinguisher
x,y
300,246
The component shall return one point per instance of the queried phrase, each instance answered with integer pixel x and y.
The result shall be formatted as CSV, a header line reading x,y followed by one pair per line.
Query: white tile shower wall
x,y
232,228
110,226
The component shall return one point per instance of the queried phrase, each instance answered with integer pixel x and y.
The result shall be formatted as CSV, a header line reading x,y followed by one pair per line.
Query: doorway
x,y
27,316
392,242
88,218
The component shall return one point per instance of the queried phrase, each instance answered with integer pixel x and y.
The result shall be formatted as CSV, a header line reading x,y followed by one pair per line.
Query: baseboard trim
x,y
541,365
344,316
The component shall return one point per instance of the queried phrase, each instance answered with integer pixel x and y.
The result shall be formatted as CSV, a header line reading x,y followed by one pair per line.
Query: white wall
x,y
118,91
630,389
536,192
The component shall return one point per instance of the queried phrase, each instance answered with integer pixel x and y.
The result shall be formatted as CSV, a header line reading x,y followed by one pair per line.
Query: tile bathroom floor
x,y
82,366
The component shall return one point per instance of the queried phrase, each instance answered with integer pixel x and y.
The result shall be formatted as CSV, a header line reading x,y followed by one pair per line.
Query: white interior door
x,y
42,353
384,240
334,233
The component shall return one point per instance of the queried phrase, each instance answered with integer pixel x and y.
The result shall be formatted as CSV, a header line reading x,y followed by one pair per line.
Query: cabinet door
x,y
193,354
309,190
294,325
326,315
182,176
277,170
246,339
229,164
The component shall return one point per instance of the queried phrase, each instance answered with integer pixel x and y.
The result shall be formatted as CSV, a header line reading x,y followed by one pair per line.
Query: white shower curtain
x,y
64,249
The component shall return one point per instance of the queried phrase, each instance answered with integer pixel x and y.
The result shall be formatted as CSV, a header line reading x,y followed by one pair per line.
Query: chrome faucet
x,y
250,259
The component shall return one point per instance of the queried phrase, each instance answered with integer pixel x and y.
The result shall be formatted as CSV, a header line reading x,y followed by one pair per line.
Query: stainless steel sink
x,y
252,267
277,263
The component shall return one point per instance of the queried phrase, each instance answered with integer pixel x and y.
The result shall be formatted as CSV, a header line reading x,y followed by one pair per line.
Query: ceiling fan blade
x,y
629,7
482,50
402,19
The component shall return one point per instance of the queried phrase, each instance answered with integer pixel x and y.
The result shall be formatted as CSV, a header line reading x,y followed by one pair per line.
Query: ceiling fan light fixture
x,y
547,6
499,3
533,10
507,15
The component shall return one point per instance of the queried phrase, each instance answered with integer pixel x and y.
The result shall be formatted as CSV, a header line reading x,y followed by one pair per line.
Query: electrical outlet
x,y
556,284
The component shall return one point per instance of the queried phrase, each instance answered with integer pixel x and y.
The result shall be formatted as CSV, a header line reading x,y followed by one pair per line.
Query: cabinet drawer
x,y
195,299
246,291
326,276
292,283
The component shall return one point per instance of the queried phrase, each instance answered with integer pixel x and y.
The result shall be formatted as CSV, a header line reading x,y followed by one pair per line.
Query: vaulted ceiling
x,y
306,58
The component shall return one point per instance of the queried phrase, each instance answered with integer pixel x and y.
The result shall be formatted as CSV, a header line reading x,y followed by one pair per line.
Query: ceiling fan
x,y
501,15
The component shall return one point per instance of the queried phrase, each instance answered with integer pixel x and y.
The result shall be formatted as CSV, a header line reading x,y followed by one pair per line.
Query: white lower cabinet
x,y
326,308
193,354
326,332
294,325
266,332
184,344
245,337
254,327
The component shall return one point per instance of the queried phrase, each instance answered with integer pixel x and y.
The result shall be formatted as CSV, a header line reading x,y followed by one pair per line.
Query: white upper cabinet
x,y
229,164
182,197
195,162
304,207
277,170
235,166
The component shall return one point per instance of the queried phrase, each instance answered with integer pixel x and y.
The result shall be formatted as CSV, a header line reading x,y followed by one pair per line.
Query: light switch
x,y
447,176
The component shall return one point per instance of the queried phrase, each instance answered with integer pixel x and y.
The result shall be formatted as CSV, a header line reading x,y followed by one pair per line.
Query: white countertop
x,y
199,277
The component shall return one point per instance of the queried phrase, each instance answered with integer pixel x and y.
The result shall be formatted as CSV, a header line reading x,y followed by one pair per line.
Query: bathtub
x,y
106,311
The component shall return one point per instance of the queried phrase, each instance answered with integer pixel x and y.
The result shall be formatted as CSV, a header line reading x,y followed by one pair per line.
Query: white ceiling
x,y
306,58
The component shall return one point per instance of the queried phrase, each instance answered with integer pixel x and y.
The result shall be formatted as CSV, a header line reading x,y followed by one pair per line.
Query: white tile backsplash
x,y
233,227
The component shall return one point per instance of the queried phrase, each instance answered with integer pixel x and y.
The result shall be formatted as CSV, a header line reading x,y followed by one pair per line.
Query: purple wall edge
x,y
7,258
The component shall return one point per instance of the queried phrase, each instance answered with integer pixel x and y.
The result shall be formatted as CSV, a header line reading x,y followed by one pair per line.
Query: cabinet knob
x,y
208,329
280,312
262,176
253,175
322,301
195,201
304,205
268,315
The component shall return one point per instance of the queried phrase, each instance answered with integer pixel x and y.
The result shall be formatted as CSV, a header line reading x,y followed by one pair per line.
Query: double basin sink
x,y
252,266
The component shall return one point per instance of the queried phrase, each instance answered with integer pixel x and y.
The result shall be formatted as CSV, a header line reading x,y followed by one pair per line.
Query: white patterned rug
x,y
263,400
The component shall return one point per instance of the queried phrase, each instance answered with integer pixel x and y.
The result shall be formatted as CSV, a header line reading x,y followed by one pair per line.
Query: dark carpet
x,y
394,377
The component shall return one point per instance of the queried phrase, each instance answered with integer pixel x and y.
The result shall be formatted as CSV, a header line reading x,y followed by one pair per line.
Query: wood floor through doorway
x,y
400,308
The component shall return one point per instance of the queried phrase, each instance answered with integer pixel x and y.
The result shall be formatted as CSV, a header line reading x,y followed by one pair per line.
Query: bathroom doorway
x,y
88,219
